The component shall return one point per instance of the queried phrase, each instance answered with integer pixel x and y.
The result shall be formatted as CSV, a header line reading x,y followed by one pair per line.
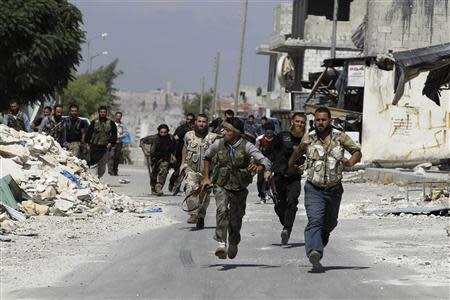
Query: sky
x,y
164,40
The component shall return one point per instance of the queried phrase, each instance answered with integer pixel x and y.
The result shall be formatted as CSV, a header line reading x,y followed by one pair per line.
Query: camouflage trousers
x,y
74,148
193,180
159,171
230,211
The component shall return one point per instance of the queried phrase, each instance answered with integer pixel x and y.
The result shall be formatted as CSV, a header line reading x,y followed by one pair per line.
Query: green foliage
x,y
89,91
39,46
107,74
193,106
87,95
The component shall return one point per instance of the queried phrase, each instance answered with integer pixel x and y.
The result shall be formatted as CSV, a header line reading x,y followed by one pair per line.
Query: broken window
x,y
326,8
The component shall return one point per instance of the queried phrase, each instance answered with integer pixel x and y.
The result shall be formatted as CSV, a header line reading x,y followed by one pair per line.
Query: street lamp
x,y
94,56
99,36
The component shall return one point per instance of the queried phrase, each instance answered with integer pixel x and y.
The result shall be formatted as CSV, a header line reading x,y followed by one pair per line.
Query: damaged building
x,y
388,81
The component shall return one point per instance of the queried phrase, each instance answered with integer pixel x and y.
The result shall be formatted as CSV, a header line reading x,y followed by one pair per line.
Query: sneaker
x,y
314,259
285,234
232,251
200,223
192,219
221,251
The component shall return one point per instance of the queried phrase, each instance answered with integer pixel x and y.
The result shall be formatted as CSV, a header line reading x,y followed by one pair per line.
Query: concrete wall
x,y
314,59
406,24
416,128
318,28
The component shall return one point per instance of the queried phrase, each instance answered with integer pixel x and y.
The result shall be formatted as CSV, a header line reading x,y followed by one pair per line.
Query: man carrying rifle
x,y
54,125
196,143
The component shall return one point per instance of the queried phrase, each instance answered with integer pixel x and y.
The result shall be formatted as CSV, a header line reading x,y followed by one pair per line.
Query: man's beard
x,y
201,132
297,131
324,129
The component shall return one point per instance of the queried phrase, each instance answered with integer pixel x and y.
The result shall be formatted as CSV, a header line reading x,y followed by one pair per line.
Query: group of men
x,y
224,160
99,142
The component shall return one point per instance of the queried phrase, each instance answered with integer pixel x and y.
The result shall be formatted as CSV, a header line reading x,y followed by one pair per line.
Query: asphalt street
x,y
178,262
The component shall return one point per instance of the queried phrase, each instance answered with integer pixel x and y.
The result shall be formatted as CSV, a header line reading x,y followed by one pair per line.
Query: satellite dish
x,y
286,71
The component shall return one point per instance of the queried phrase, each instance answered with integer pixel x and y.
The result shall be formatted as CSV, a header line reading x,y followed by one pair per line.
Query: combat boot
x,y
158,189
285,235
232,251
192,219
200,223
221,251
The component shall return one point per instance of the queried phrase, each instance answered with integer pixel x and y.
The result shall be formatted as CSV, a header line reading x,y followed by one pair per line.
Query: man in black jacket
x,y
287,184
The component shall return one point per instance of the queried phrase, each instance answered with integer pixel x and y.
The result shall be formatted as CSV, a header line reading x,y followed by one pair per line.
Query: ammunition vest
x,y
323,167
73,131
54,129
102,132
230,171
16,121
196,148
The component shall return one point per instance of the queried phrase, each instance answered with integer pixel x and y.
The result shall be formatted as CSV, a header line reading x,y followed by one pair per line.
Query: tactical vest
x,y
323,166
16,121
231,173
54,129
196,148
102,133
73,132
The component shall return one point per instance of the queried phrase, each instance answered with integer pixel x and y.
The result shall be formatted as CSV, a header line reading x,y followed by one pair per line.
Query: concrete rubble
x,y
58,183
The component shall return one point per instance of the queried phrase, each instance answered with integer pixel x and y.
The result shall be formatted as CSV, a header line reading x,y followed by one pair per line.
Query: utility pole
x,y
216,79
334,33
201,96
241,54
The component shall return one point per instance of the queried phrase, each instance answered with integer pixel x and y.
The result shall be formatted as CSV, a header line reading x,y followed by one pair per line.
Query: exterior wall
x,y
416,128
318,28
400,25
314,58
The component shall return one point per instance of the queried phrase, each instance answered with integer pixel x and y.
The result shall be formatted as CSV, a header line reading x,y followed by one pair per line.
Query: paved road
x,y
177,262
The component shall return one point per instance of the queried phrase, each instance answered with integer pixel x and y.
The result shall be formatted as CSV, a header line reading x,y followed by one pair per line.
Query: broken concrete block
x,y
63,205
28,208
4,216
84,195
8,226
49,193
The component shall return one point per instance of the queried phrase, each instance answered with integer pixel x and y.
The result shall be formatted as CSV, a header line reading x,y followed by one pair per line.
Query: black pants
x,y
288,191
261,185
176,172
117,155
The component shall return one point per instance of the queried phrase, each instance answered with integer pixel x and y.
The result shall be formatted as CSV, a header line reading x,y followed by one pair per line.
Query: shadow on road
x,y
195,229
332,268
290,245
226,267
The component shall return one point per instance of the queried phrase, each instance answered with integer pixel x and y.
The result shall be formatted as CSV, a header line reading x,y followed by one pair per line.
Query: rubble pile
x,y
56,183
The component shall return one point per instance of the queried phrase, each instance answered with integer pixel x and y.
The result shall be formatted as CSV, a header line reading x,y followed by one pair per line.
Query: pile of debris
x,y
39,177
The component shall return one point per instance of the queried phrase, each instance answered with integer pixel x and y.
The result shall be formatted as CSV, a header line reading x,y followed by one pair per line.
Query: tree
x,y
90,90
87,95
193,106
107,75
39,47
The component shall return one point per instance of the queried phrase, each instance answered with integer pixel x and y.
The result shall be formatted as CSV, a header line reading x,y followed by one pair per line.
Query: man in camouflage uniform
x,y
324,148
196,142
101,137
16,118
54,125
233,172
159,151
